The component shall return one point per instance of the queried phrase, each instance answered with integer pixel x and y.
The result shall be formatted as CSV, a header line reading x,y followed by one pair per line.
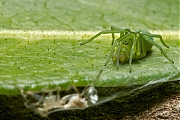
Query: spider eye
x,y
125,42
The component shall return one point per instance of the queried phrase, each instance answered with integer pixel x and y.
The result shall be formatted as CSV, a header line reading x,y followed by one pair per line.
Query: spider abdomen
x,y
136,42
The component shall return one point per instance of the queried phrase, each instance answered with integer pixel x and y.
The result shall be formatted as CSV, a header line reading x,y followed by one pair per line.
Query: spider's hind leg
x,y
157,45
158,36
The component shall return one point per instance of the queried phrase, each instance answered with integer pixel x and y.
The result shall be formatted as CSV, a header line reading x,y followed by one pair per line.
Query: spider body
x,y
123,49
50,103
130,45
47,102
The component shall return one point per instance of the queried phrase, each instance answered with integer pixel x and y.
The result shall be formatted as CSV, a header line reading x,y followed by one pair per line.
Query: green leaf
x,y
34,63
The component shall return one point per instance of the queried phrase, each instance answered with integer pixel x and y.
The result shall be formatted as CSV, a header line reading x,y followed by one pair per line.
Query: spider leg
x,y
86,89
50,95
113,37
52,101
24,95
97,77
118,50
157,36
143,48
39,100
32,106
112,29
72,87
111,53
75,89
140,48
158,46
117,58
117,43
131,53
102,32
58,93
45,98
50,92
34,95
27,103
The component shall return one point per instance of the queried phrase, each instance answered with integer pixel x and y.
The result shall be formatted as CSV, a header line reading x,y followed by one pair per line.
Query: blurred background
x,y
89,15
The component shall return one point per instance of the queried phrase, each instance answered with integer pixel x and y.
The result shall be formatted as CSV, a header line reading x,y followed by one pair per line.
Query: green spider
x,y
130,45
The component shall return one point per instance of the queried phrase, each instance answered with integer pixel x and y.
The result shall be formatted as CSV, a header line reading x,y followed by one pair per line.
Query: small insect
x,y
130,45
47,102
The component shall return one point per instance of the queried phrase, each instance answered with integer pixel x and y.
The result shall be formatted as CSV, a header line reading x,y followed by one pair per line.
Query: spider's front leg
x,y
115,53
98,34
113,28
111,53
121,31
